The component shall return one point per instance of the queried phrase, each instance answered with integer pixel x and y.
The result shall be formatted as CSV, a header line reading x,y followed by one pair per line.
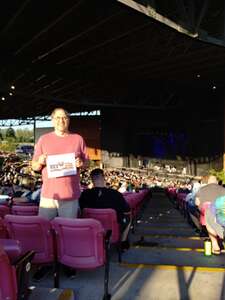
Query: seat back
x,y
80,242
12,248
204,206
25,210
34,233
4,210
8,285
3,231
108,219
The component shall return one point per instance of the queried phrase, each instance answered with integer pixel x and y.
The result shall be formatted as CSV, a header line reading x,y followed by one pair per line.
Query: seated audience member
x,y
192,209
102,197
32,196
123,187
215,223
29,194
209,192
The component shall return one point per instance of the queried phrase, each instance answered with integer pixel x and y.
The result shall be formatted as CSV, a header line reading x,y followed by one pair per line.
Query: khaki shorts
x,y
50,208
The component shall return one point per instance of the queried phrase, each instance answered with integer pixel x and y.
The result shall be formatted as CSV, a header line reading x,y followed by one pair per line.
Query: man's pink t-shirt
x,y
67,187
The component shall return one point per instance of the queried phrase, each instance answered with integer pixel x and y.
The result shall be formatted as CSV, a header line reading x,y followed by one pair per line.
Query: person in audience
x,y
28,192
123,187
215,223
209,192
192,209
101,197
59,193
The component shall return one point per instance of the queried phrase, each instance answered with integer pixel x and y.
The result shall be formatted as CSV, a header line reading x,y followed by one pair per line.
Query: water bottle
x,y
207,247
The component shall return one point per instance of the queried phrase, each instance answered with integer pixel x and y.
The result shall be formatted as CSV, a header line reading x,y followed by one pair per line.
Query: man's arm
x,y
37,165
80,163
197,201
83,200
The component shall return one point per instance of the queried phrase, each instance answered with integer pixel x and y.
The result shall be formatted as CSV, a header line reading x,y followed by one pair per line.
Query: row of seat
x,y
77,243
180,200
23,210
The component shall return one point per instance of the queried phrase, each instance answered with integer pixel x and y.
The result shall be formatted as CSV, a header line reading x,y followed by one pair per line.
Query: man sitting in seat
x,y
101,197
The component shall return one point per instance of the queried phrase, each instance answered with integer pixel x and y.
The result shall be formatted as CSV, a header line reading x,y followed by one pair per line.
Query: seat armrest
x,y
23,267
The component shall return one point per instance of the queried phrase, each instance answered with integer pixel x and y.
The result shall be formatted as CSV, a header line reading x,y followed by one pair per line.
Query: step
x,y
163,225
165,231
168,242
170,256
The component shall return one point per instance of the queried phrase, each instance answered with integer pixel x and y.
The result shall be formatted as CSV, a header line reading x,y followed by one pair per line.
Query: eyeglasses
x,y
61,118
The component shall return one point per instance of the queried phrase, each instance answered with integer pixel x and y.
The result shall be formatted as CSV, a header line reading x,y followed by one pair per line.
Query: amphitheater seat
x,y
12,248
14,281
3,231
8,286
4,210
35,234
25,210
204,206
108,218
83,244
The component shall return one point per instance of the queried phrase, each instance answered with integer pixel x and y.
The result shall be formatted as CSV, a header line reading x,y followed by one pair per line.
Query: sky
x,y
39,124
42,124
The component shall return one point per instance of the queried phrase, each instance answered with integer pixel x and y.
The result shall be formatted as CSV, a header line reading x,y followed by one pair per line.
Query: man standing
x,y
59,155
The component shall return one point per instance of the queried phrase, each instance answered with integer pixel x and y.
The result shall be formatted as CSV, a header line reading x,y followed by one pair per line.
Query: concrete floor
x,y
170,264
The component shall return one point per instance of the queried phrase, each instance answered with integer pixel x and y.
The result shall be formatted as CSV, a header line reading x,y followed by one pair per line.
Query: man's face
x,y
61,121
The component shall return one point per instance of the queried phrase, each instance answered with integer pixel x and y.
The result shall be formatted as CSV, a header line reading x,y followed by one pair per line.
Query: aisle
x,y
163,237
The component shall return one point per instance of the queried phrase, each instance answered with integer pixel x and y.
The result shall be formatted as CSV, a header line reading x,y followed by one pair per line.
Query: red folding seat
x,y
135,205
12,248
14,281
203,208
181,201
35,234
4,210
8,285
21,202
108,219
83,244
3,231
25,210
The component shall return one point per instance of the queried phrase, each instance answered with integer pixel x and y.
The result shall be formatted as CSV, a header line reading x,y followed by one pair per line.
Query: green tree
x,y
24,135
10,133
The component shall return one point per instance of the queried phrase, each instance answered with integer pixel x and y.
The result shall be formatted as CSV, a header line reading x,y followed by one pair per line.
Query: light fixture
x,y
13,87
3,98
214,87
10,94
198,75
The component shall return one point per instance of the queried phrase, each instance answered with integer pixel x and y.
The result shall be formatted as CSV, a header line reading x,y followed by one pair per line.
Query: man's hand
x,y
79,162
37,165
42,159
197,201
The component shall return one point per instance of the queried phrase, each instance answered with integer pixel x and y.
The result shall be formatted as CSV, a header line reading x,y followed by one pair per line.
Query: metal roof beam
x,y
151,12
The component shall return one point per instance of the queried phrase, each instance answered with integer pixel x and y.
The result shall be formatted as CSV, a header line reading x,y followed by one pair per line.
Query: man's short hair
x,y
59,108
96,172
